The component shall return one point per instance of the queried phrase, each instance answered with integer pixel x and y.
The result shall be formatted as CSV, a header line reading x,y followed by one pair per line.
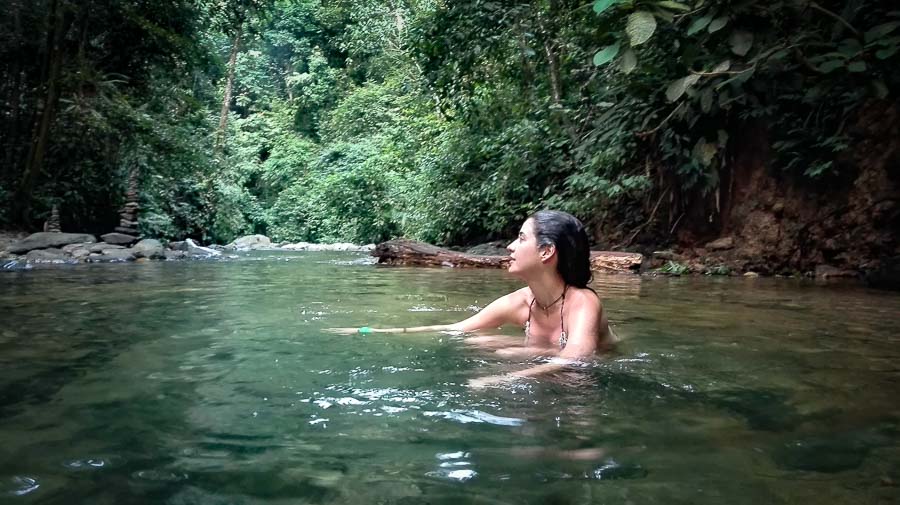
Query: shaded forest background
x,y
771,124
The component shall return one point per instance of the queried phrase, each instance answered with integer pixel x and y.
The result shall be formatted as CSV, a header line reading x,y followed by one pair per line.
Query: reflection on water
x,y
189,383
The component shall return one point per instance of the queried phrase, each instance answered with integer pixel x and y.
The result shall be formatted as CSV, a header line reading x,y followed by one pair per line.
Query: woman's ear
x,y
547,252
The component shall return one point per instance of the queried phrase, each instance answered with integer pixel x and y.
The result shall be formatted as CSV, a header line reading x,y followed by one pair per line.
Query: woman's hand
x,y
491,381
345,331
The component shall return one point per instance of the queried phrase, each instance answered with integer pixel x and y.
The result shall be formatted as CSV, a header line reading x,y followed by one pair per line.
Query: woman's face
x,y
524,252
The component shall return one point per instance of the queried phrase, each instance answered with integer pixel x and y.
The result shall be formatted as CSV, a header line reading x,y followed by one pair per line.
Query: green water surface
x,y
213,383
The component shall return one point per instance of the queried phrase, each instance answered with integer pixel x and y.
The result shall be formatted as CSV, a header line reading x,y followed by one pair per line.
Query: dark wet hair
x,y
565,231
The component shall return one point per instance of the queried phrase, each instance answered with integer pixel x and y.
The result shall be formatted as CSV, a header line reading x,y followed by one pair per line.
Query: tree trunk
x,y
410,252
226,101
38,148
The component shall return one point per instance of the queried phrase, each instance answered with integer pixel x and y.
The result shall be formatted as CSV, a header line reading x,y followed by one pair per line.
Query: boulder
x,y
148,248
103,246
830,272
495,248
340,246
118,239
77,251
721,244
50,255
112,256
179,245
45,240
197,251
249,243
174,255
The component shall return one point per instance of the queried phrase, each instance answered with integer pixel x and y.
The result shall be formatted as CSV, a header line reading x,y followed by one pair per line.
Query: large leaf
x,y
601,5
629,61
830,66
857,66
640,27
706,100
699,24
673,5
722,67
679,86
883,54
880,31
741,42
606,54
717,24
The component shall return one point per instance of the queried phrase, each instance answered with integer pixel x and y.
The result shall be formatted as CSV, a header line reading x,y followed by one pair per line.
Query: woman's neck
x,y
547,289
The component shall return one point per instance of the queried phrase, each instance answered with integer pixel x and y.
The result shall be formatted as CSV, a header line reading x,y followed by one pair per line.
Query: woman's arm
x,y
499,312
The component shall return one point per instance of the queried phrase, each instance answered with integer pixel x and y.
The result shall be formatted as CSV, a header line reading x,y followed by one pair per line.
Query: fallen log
x,y
413,253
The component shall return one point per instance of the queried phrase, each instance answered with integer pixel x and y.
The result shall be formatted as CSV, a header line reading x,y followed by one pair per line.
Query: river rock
x,y
495,248
103,246
174,255
49,255
77,251
197,251
118,239
178,245
721,244
148,248
112,256
830,272
249,243
340,246
45,240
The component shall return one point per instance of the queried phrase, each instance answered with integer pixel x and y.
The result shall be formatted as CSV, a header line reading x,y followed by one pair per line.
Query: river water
x,y
213,383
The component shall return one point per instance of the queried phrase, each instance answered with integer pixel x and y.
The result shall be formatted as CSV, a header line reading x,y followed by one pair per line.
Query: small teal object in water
x,y
365,329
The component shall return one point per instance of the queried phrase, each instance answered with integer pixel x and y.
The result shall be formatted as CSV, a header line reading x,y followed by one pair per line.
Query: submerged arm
x,y
499,312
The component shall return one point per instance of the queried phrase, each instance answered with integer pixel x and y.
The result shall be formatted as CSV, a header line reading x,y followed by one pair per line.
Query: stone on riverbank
x,y
112,256
148,248
118,239
250,243
103,246
198,251
340,246
49,255
45,240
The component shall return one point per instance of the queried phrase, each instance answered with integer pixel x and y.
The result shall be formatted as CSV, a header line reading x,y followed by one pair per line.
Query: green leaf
x,y
880,31
717,24
640,27
722,67
741,42
629,61
706,100
850,47
699,24
673,5
857,66
601,5
881,89
679,86
830,66
883,54
606,54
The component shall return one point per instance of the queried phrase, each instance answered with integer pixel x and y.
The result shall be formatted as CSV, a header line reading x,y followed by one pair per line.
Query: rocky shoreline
x,y
21,252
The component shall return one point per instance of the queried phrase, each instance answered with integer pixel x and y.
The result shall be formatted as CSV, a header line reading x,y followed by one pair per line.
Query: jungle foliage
x,y
327,120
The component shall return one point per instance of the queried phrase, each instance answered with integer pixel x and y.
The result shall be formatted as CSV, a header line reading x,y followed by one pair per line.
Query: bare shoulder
x,y
584,299
521,296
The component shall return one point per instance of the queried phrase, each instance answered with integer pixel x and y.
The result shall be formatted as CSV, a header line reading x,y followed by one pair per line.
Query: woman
x,y
562,317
